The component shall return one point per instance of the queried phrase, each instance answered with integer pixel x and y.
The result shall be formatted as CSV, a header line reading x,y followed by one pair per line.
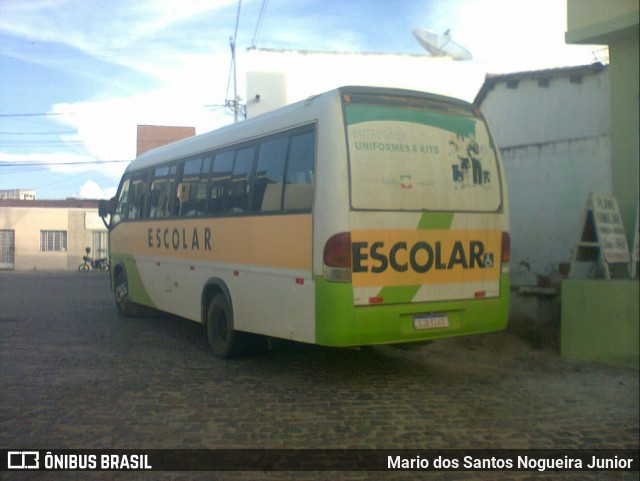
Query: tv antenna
x,y
441,45
236,107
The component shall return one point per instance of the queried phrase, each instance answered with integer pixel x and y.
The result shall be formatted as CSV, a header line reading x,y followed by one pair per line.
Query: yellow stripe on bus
x,y
272,241
417,257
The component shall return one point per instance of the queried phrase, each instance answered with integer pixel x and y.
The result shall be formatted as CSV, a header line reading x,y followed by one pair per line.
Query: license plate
x,y
430,321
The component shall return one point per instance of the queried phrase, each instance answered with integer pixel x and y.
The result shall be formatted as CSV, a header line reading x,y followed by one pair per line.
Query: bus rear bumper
x,y
340,324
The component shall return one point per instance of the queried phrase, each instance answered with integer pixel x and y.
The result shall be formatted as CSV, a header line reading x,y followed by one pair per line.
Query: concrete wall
x,y
574,105
548,189
600,321
600,318
592,21
617,25
624,127
556,149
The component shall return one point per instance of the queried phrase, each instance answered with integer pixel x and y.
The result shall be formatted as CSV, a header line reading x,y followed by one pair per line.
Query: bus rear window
x,y
413,156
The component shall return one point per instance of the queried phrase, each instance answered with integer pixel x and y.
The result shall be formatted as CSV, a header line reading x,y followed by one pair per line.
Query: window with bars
x,y
100,245
53,240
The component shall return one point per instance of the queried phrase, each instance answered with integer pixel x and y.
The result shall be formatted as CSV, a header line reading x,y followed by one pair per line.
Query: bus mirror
x,y
104,207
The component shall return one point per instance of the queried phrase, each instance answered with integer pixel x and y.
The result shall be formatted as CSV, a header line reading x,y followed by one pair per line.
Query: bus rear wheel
x,y
225,342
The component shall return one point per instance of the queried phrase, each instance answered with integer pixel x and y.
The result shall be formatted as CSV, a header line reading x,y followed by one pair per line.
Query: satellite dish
x,y
441,45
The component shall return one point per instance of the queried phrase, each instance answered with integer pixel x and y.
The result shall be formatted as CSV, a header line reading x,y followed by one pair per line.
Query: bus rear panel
x,y
424,254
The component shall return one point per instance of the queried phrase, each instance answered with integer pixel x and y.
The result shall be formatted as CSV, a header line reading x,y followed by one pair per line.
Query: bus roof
x,y
265,123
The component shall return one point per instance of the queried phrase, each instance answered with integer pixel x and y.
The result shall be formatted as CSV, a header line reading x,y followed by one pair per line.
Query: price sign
x,y
609,228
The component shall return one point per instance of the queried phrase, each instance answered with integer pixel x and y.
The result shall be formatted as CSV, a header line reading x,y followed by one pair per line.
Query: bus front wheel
x,y
121,292
224,340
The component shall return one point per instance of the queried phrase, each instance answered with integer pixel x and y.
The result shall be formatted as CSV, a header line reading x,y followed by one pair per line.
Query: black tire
x,y
225,342
83,267
121,294
104,267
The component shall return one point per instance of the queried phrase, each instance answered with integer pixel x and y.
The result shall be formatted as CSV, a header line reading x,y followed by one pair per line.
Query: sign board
x,y
609,229
603,242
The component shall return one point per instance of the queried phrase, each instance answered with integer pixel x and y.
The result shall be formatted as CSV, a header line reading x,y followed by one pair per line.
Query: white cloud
x,y
510,36
115,30
107,127
91,190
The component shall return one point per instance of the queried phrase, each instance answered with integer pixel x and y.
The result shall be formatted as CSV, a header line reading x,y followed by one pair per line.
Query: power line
x,y
66,179
18,144
259,24
60,132
22,171
235,34
36,163
40,114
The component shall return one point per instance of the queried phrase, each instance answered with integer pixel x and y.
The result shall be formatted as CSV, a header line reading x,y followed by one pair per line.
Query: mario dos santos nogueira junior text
x,y
510,463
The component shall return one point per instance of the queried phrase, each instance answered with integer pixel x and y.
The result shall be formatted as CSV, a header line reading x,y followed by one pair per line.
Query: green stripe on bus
x,y
436,220
335,313
137,291
461,125
398,294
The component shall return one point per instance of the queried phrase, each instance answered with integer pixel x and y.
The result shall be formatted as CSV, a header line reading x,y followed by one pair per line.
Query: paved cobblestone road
x,y
74,374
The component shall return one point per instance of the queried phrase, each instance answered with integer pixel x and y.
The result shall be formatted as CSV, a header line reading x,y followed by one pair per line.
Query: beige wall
x,y
27,222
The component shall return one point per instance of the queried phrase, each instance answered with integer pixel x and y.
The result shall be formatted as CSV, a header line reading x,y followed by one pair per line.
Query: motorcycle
x,y
93,264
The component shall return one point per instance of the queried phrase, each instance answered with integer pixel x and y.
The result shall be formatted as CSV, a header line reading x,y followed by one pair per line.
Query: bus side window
x,y
220,182
241,182
203,192
192,190
298,191
267,192
123,202
138,196
163,192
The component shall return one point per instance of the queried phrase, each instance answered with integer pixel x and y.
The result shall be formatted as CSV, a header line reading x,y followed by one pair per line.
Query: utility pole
x,y
234,102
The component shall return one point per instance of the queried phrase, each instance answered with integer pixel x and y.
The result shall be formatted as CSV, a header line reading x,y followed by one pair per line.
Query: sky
x,y
77,76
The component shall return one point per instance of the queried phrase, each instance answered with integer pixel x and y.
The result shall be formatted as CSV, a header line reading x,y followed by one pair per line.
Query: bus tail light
x,y
506,252
337,258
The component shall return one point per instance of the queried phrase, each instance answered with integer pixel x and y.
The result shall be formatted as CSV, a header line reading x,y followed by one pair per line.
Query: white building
x,y
280,77
24,194
553,129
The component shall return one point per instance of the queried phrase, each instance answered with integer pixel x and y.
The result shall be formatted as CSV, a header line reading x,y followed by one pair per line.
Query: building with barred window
x,y
49,234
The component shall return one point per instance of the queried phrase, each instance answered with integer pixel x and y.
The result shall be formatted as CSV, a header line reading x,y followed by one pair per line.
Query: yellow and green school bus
x,y
359,216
